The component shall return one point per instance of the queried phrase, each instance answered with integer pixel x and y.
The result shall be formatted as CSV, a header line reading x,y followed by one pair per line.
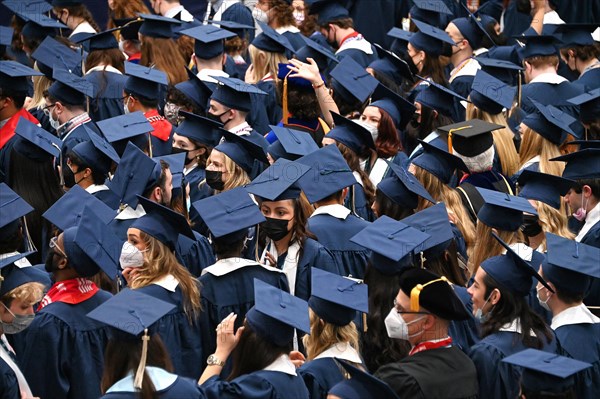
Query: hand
x,y
537,5
226,339
308,71
270,259
297,358
129,274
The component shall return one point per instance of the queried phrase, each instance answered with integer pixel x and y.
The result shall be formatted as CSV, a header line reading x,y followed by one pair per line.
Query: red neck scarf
x,y
8,130
353,36
71,291
427,345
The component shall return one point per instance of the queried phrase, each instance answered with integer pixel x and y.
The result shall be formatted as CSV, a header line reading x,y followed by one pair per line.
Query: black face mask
x,y
214,179
275,229
69,177
411,65
188,159
217,118
50,265
531,226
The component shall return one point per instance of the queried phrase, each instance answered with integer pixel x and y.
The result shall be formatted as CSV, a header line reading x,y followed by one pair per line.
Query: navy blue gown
x,y
108,101
464,333
592,238
195,255
261,384
9,387
554,94
320,375
363,59
265,110
590,80
356,201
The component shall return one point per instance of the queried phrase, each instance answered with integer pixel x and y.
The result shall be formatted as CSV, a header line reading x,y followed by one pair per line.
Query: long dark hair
x,y
390,208
429,123
353,161
446,264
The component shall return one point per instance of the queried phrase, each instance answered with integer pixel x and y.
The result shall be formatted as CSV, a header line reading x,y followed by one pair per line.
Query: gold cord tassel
x,y
286,114
416,292
139,375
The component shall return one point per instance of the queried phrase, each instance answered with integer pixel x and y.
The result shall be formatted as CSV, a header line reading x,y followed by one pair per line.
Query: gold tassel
x,y
451,131
139,375
150,145
286,114
416,292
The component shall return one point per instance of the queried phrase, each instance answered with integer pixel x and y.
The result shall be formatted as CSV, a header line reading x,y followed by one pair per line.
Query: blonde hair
x,y
534,144
29,294
40,85
487,246
503,139
238,176
323,335
552,221
264,63
160,261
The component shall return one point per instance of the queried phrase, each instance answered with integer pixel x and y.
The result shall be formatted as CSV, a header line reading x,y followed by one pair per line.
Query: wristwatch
x,y
214,361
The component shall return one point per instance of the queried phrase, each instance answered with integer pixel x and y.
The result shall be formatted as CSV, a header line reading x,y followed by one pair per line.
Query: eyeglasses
x,y
405,312
46,109
54,246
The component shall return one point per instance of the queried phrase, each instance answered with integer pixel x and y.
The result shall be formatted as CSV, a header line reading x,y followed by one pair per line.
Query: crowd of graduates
x,y
300,199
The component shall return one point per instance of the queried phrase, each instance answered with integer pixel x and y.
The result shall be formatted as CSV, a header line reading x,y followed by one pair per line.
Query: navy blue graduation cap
x,y
283,72
13,276
195,90
502,70
6,34
392,244
235,93
322,55
241,150
391,65
351,134
336,299
583,164
570,265
97,153
128,27
537,45
229,212
144,81
122,129
471,29
65,3
589,105
400,34
271,41
38,26
176,164
549,122
69,88
29,6
14,77
328,11
100,41
351,80
403,188
439,163
158,26
430,10
52,54
585,144
278,181
200,129
399,109
239,29
490,94
470,138
574,35
543,187
68,210
12,208
429,38
291,144
36,143
546,372
208,42
162,223
438,98
503,211
329,173
361,385
276,314
433,221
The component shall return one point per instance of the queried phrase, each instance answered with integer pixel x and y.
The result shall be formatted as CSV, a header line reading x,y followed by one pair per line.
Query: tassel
x,y
60,164
150,145
519,89
286,114
416,292
139,375
451,132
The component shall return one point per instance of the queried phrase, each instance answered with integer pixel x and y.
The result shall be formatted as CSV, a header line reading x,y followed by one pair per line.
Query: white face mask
x,y
479,316
543,304
397,327
370,127
126,107
131,256
299,17
53,122
122,45
260,15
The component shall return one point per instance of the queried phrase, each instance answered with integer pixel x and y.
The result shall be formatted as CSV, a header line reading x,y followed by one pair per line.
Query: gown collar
x,y
226,266
337,211
282,364
341,350
579,314
160,378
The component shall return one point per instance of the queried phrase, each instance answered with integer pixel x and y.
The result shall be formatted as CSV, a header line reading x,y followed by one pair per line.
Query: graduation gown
x,y
194,176
104,194
590,235
546,90
7,138
75,136
590,79
461,83
108,86
464,333
9,387
264,110
166,385
64,351
196,254
472,199
436,373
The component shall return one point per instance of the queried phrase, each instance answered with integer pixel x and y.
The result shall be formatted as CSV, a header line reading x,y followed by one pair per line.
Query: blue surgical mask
x,y
479,316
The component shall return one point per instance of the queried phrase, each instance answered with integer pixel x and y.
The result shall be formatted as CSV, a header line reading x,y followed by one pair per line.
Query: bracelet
x,y
318,86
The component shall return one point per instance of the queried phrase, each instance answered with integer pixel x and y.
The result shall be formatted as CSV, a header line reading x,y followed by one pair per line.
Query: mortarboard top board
x,y
14,77
271,41
283,73
400,34
503,70
392,65
549,122
100,41
429,38
471,30
235,93
6,260
176,164
128,27
432,292
36,143
322,55
278,181
229,212
490,94
570,265
65,3
162,223
276,314
328,11
392,244
470,138
350,133
438,97
431,11
12,208
52,54
589,105
329,173
13,276
28,6
574,35
439,162
361,385
195,89
208,40
399,109
403,188
583,164
545,371
585,144
120,130
6,34
158,26
351,80
144,81
503,211
38,26
200,129
536,45
97,153
68,210
543,187
69,88
241,150
235,27
433,221
335,298
291,144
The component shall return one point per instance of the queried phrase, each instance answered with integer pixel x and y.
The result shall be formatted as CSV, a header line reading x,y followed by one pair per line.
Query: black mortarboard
x,y
470,138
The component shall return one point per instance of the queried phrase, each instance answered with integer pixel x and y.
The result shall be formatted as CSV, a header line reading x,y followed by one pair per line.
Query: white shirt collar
x,y
336,210
94,188
552,18
282,364
168,282
284,29
530,162
161,379
341,350
186,171
514,326
206,75
83,27
552,78
225,266
130,213
591,219
579,314
243,129
107,68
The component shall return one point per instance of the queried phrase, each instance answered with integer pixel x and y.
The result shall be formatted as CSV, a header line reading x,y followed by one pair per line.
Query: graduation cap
x,y
549,122
208,42
328,11
392,244
503,211
438,98
351,80
329,173
66,3
585,144
229,212
536,46
502,70
6,34
68,210
12,208
14,77
28,6
291,144
322,55
38,26
97,153
432,292
581,165
589,105
200,129
546,372
278,181
351,134
391,65
129,27
271,41
574,35
283,73
144,81
133,315
276,314
336,299
543,187
403,188
235,93
162,223
490,94
176,164
69,88
158,26
122,129
438,162
471,29
430,10
470,138
360,385
195,90
239,29
430,39
13,277
52,54
241,150
511,271
36,143
398,108
100,41
435,222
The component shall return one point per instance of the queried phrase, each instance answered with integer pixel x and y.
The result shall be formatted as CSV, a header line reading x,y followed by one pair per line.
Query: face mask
x,y
275,229
49,265
171,112
581,213
126,106
214,179
53,122
371,128
19,323
397,327
531,227
479,312
299,17
131,256
543,304
217,118
260,15
411,64
122,46
69,177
